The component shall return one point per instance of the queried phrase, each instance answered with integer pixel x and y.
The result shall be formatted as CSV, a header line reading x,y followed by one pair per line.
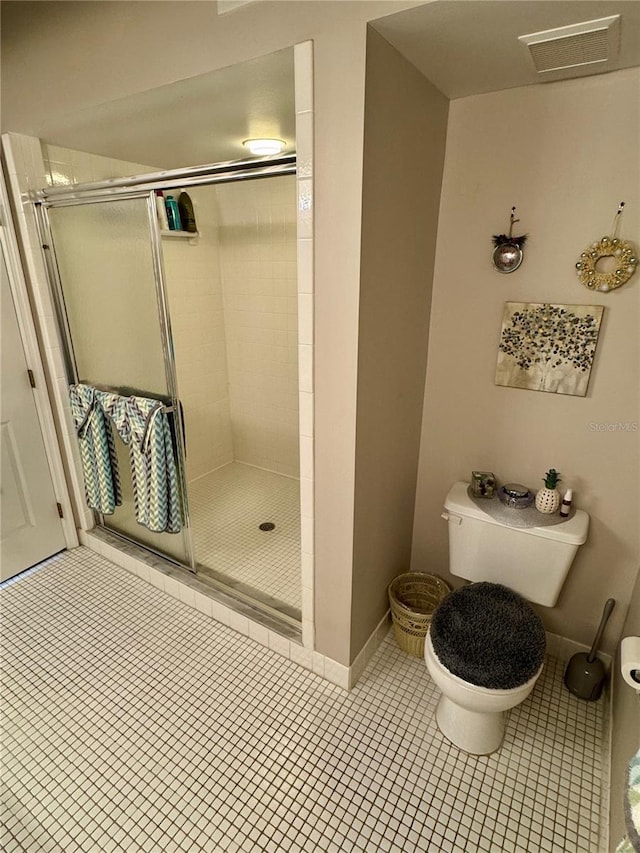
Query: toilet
x,y
486,644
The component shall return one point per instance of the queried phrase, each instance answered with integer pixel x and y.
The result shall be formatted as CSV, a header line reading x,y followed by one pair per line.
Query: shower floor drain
x,y
267,525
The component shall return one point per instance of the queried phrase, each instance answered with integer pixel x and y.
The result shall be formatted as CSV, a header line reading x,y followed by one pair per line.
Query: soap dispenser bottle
x,y
187,216
173,214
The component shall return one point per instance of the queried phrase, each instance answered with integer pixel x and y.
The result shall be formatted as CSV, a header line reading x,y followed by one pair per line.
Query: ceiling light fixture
x,y
264,147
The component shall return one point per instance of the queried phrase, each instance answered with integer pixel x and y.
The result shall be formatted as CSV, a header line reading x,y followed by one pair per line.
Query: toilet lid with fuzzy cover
x,y
488,635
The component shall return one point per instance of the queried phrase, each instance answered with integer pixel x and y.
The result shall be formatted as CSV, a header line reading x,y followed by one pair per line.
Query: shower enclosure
x,y
207,324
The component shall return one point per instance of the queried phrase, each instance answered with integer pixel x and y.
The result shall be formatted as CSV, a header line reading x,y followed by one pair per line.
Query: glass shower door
x,y
117,329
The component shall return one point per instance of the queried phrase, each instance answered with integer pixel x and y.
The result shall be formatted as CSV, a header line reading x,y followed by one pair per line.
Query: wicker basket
x,y
413,597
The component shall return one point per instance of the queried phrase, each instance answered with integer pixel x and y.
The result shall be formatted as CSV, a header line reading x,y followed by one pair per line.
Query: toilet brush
x,y
585,673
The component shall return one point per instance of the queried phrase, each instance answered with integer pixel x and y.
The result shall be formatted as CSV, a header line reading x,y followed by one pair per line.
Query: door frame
x,y
30,343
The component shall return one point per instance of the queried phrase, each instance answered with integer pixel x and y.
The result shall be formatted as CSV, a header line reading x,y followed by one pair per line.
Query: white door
x,y
30,528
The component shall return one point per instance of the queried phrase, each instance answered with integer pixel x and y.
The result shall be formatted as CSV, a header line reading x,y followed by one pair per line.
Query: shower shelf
x,y
192,236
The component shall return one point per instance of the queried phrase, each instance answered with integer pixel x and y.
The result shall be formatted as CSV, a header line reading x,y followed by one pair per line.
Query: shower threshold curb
x,y
276,634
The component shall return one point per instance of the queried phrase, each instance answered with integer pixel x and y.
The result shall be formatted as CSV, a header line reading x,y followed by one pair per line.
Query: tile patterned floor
x,y
226,508
134,723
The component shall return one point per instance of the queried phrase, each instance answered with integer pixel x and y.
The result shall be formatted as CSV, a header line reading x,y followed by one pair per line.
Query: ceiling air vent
x,y
576,50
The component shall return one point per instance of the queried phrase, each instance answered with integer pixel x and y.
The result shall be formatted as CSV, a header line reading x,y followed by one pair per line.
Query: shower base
x,y
226,509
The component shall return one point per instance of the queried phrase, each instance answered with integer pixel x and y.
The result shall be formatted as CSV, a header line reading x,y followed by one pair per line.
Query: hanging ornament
x,y
507,255
623,260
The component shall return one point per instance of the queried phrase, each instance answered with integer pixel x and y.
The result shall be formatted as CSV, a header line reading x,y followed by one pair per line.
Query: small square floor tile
x,y
133,722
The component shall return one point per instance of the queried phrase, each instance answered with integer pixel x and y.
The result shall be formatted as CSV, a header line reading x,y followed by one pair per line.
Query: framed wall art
x,y
545,347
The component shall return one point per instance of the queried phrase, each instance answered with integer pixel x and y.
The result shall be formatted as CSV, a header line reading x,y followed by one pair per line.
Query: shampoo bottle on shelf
x,y
173,214
187,216
163,222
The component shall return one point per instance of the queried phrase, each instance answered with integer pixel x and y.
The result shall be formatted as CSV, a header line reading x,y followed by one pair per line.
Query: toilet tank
x,y
533,561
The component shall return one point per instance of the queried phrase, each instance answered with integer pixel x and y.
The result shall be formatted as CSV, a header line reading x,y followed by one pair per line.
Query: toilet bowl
x,y
471,717
485,646
485,651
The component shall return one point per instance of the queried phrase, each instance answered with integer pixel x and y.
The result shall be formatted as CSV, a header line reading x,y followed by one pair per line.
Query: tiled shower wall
x,y
66,166
233,304
195,301
258,256
194,287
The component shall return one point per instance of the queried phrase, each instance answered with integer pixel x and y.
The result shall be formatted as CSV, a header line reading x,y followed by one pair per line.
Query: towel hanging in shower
x,y
115,407
97,450
153,466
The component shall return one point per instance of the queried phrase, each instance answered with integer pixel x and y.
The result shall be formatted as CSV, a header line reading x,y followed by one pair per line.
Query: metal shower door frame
x,y
135,187
48,247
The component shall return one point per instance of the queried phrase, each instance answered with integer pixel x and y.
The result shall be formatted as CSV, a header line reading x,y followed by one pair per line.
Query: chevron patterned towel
x,y
97,450
115,408
153,466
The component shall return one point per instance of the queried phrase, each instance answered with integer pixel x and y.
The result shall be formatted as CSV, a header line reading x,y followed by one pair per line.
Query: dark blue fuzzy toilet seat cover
x,y
488,635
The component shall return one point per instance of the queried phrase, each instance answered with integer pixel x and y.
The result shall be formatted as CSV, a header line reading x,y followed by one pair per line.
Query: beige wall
x,y
60,57
565,154
404,141
625,727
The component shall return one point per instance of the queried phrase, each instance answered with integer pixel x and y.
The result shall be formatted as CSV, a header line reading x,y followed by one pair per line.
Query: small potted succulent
x,y
548,499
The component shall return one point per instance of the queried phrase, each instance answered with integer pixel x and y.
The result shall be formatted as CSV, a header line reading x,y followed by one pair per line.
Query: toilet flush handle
x,y
456,519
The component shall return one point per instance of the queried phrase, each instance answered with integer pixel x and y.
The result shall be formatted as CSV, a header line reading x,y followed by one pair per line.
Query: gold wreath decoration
x,y
626,264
